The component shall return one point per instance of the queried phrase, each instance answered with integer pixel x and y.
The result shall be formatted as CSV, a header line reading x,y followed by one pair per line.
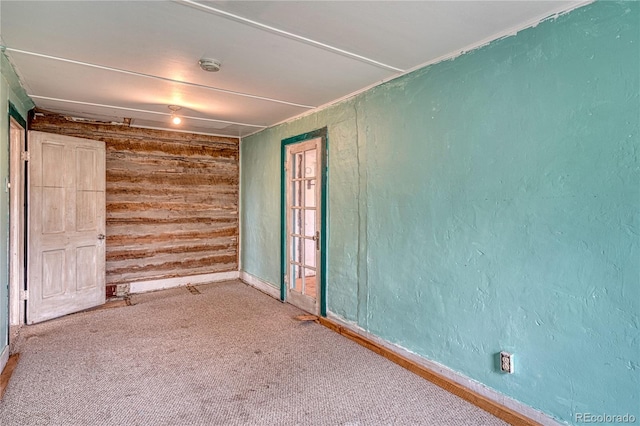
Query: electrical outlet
x,y
506,362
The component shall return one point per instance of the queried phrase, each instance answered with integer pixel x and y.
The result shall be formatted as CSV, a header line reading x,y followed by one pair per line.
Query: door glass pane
x,y
310,163
297,165
310,253
296,250
310,193
297,278
310,283
297,221
300,281
296,199
309,223
303,281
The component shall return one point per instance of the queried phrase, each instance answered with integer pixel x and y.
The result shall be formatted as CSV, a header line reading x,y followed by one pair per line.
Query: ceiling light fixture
x,y
175,119
209,65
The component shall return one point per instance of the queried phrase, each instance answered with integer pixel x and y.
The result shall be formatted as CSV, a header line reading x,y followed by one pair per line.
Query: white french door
x,y
303,167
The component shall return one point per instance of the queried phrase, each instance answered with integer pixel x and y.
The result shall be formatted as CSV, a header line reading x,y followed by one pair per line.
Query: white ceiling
x,y
131,59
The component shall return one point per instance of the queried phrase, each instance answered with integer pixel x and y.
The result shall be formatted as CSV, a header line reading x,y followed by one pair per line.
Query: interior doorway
x,y
304,230
17,229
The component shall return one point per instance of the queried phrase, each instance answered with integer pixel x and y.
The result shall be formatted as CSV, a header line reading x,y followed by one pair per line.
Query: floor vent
x,y
193,290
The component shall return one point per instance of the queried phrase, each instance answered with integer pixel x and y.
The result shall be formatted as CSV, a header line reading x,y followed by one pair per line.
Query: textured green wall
x,y
488,203
10,91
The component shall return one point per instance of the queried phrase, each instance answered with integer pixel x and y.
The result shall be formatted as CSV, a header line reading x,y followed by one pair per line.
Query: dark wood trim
x,y
508,415
7,372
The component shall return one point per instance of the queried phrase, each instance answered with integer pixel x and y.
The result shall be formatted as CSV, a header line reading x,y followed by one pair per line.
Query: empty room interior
x,y
316,212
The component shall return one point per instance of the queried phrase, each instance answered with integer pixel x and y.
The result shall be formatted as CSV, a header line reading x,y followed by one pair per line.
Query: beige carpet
x,y
228,356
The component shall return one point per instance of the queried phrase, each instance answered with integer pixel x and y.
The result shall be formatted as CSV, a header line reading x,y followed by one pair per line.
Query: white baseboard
x,y
452,375
4,357
152,285
261,285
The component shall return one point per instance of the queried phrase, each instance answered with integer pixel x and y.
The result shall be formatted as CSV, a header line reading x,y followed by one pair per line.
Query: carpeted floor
x,y
228,356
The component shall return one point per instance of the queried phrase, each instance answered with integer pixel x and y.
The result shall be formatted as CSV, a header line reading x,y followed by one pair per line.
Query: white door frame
x,y
17,228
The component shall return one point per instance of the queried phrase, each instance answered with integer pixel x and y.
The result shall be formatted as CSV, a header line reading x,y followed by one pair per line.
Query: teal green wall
x,y
10,91
488,203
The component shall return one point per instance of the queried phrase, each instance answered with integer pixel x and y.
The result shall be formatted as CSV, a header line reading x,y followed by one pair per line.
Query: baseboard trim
x,y
7,371
153,285
491,401
474,392
259,284
4,357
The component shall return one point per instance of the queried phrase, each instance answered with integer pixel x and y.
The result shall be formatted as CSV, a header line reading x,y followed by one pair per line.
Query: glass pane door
x,y
302,224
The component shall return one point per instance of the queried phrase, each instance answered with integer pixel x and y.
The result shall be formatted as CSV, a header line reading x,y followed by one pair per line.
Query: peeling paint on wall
x,y
488,203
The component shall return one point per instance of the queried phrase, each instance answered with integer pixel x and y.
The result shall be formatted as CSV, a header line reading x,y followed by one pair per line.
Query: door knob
x,y
101,236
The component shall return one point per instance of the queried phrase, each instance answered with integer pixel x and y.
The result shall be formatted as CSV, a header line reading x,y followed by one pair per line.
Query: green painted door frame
x,y
13,112
322,134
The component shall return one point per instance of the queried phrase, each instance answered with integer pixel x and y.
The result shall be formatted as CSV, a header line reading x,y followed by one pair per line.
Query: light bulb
x,y
175,119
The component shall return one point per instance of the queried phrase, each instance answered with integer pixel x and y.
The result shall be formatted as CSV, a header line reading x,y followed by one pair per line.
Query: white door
x,y
303,224
66,266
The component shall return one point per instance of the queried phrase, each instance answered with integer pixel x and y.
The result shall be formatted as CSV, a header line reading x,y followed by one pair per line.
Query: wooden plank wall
x,y
172,200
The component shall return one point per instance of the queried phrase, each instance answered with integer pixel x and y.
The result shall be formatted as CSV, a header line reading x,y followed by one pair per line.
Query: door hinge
x,y
24,294
25,156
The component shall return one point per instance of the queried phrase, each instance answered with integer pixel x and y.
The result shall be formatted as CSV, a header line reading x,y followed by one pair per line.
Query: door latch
x,y
101,237
316,238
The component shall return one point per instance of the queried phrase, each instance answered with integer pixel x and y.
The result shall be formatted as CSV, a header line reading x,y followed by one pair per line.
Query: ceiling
x,y
111,60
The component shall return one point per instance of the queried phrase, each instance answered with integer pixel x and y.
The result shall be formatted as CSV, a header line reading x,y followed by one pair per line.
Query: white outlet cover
x,y
506,362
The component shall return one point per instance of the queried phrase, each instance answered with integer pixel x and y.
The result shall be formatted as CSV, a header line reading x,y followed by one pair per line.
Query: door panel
x,y
53,267
86,211
86,267
86,164
52,159
66,270
53,210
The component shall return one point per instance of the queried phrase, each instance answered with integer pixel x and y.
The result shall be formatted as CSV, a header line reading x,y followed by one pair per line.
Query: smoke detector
x,y
210,65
